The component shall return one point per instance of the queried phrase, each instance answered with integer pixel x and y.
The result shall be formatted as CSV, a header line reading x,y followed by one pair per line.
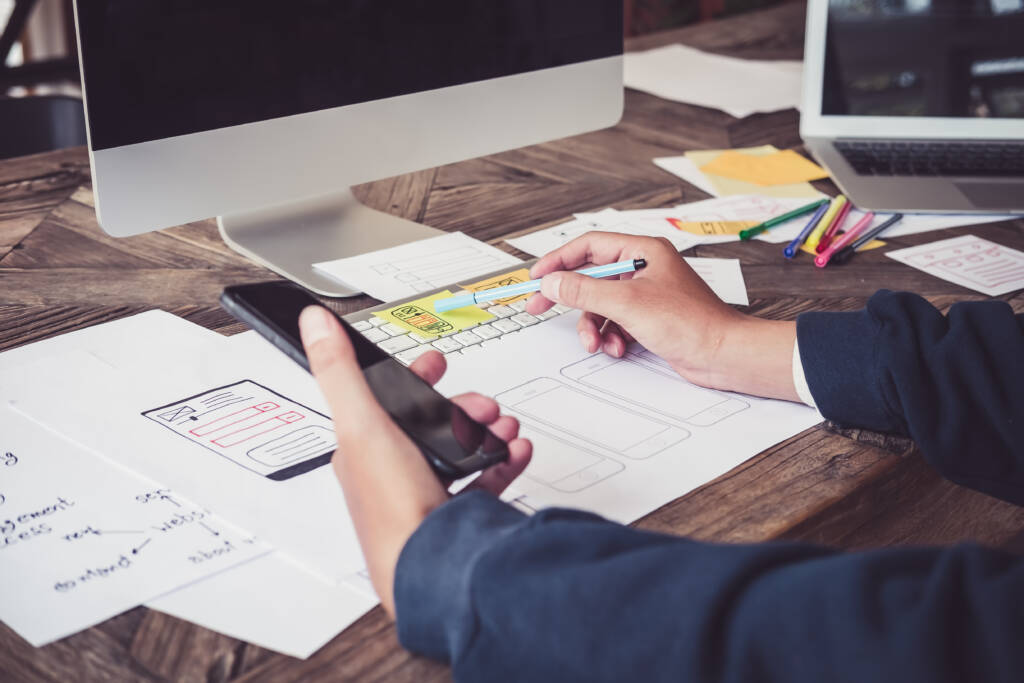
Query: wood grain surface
x,y
59,272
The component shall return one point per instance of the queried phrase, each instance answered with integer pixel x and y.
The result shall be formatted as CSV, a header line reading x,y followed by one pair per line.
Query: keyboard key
x,y
375,335
501,311
377,322
396,344
447,345
506,325
525,319
408,356
561,308
550,313
467,338
486,332
471,349
421,338
518,306
362,325
394,330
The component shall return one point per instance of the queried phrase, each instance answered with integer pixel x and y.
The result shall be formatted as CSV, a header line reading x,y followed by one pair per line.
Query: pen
x,y
468,299
833,230
815,236
822,259
772,222
791,249
846,253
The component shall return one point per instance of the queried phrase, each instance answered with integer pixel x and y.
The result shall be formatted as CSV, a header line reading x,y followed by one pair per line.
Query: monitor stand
x,y
290,239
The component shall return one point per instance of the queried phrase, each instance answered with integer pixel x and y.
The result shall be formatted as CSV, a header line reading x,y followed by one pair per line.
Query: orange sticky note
x,y
711,227
781,168
513,278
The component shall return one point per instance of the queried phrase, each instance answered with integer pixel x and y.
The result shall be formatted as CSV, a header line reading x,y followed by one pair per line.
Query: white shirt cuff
x,y
799,380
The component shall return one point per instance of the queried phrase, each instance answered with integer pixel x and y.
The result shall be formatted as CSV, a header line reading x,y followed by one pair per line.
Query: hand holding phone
x,y
453,444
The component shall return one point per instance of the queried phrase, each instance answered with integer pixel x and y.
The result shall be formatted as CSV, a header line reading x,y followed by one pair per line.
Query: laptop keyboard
x,y
883,158
407,346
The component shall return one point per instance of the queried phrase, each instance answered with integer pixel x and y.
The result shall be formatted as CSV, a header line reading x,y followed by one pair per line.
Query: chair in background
x,y
29,125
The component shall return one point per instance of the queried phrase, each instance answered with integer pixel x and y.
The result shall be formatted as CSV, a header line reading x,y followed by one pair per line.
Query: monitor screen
x,y
949,58
155,69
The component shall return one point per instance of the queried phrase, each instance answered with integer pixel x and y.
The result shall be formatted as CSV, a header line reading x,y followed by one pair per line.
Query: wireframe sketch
x,y
254,427
562,465
432,270
599,421
976,263
645,380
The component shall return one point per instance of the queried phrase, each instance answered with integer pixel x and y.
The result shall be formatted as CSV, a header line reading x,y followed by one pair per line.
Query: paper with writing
x,y
970,262
420,317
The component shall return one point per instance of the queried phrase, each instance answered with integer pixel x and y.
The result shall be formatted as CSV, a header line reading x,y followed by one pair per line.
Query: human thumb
x,y
606,298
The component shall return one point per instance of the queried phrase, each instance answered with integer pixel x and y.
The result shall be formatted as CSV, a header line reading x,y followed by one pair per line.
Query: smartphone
x,y
454,444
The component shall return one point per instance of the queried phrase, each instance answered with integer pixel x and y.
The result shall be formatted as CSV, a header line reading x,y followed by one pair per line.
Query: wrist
x,y
755,356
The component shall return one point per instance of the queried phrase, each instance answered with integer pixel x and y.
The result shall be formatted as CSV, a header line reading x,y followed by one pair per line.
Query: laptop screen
x,y
945,58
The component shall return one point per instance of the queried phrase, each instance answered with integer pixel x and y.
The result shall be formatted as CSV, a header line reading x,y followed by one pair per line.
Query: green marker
x,y
772,222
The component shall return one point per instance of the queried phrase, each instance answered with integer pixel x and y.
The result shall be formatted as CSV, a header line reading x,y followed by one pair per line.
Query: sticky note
x,y
419,316
514,278
779,168
711,227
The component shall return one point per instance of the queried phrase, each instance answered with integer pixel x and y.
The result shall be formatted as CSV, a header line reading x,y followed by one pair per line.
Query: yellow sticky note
x,y
727,187
419,316
514,278
711,227
779,168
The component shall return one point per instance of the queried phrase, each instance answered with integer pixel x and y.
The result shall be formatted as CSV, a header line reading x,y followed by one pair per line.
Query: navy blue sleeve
x,y
953,383
566,596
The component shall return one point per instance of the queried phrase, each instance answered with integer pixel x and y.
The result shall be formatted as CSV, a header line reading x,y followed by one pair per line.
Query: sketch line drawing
x,y
254,427
600,421
561,464
619,377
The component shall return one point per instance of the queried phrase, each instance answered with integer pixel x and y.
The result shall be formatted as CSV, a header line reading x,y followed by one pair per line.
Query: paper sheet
x,y
784,167
687,170
420,317
685,74
82,541
726,186
505,280
970,262
547,240
619,437
723,276
408,269
265,618
271,602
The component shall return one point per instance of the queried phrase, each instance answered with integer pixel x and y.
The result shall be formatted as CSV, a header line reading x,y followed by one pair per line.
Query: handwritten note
x,y
82,540
514,278
420,317
968,261
711,227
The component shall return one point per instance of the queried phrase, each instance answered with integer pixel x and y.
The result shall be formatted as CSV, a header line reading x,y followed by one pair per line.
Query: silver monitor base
x,y
290,239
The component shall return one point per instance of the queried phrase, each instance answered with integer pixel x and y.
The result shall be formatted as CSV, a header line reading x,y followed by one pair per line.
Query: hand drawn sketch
x,y
640,376
254,427
560,464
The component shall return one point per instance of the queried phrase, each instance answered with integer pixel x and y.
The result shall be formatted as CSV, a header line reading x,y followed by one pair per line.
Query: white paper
x,y
271,602
739,87
723,276
547,240
915,223
970,262
149,339
688,170
82,540
418,267
618,437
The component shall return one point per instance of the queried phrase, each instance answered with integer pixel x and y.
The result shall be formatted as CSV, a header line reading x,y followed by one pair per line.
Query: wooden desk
x,y
59,272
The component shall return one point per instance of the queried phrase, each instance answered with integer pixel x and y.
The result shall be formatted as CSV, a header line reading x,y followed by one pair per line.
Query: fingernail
x,y
550,284
314,324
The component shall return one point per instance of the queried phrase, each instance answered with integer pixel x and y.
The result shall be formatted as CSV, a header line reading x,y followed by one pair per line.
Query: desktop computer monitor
x,y
264,112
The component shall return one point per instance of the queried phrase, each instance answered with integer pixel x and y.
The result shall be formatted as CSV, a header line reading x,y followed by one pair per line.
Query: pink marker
x,y
822,259
834,228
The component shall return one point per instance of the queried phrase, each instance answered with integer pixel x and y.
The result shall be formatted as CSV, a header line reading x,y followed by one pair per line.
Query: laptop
x,y
918,105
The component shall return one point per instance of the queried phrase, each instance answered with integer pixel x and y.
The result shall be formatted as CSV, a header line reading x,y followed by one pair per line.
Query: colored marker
x,y
847,252
471,298
833,230
792,247
830,216
822,259
778,220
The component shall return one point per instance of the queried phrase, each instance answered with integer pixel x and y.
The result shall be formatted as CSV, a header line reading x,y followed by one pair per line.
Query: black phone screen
x,y
454,444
